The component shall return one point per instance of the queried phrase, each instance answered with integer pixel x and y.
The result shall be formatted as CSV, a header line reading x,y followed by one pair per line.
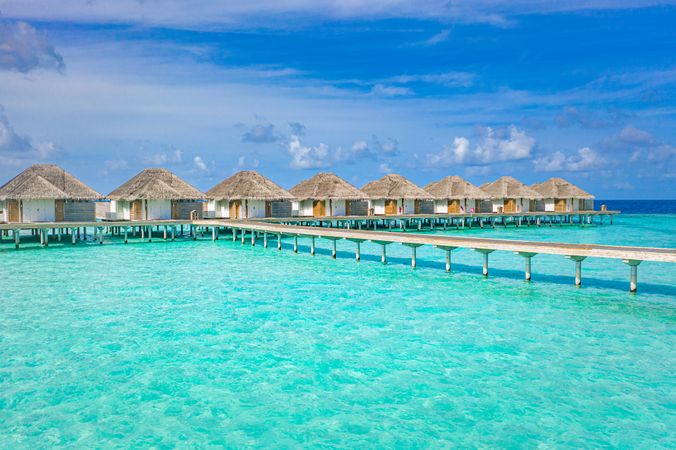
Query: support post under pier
x,y
633,273
485,252
578,268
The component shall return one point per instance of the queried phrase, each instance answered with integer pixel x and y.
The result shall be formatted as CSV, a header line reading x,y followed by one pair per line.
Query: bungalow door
x,y
235,207
390,207
268,209
509,205
175,210
319,208
136,210
453,206
13,211
580,205
532,206
59,210
347,207
416,207
560,205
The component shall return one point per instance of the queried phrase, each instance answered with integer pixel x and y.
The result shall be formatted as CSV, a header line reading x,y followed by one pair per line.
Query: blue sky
x,y
584,91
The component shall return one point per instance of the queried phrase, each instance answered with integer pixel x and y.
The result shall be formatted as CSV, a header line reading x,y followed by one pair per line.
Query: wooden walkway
x,y
328,228
407,221
632,256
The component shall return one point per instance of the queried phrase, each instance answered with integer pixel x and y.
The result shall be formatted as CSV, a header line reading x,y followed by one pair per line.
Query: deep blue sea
x,y
639,206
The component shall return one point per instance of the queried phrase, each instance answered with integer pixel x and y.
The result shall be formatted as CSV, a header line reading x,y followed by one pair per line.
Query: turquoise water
x,y
198,344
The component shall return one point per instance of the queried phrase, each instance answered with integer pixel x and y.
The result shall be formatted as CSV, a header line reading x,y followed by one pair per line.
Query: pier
x,y
454,220
77,231
358,229
632,256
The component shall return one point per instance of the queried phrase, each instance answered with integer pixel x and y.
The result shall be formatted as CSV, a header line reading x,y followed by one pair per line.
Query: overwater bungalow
x,y
46,193
509,195
155,194
246,195
326,194
455,195
394,194
562,196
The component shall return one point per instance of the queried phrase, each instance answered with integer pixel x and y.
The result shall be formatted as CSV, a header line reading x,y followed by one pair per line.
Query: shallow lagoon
x,y
218,343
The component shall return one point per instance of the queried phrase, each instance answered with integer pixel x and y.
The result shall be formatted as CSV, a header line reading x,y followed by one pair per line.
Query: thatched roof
x,y
248,185
394,186
508,187
560,188
453,188
324,186
155,184
46,181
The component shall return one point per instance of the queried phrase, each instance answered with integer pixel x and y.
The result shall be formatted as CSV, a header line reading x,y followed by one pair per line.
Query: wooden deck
x,y
535,214
332,229
551,248
102,224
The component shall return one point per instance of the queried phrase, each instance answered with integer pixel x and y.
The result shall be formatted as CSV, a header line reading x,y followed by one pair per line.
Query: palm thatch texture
x,y
46,181
509,187
394,186
249,185
156,184
560,188
455,188
325,186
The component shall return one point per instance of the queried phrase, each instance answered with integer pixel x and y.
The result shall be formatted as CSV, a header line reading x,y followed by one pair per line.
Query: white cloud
x,y
494,146
585,159
160,159
23,48
191,13
634,136
362,150
433,40
388,147
260,134
448,79
16,148
359,150
438,38
242,163
114,165
384,168
297,128
381,90
303,157
199,163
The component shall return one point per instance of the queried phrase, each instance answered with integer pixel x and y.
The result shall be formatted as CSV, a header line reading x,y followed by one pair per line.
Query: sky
x,y
583,89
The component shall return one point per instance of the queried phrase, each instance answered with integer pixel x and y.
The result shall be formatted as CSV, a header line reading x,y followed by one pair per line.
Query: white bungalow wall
x,y
3,214
302,208
409,207
254,209
218,208
38,210
337,208
158,209
378,207
466,206
572,204
522,205
121,209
